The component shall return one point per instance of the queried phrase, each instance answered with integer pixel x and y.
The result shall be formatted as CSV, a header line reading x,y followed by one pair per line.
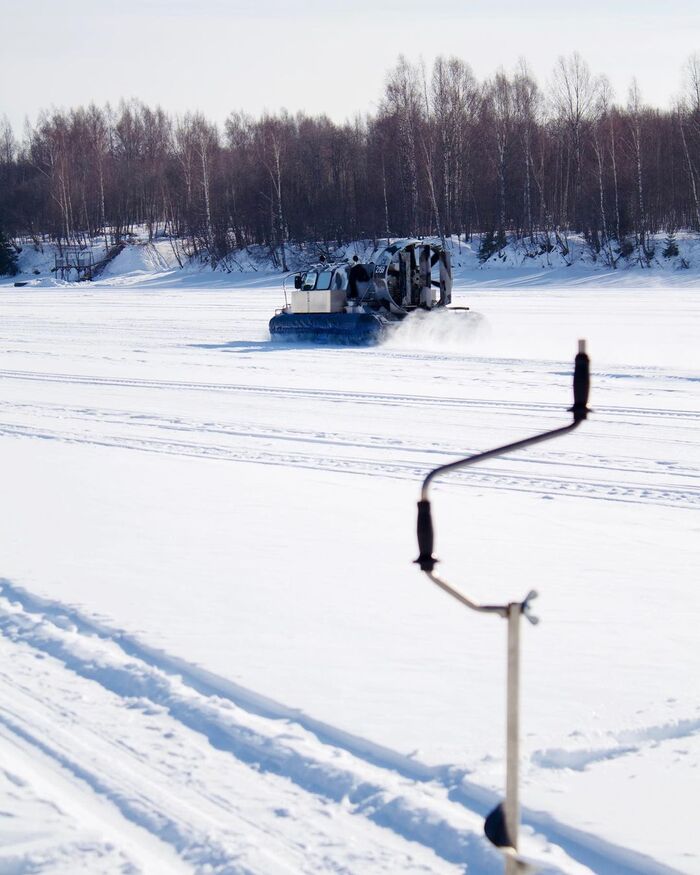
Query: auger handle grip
x,y
424,530
582,383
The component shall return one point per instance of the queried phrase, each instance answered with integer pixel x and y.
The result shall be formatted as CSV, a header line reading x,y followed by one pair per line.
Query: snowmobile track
x,y
354,440
677,497
397,399
250,433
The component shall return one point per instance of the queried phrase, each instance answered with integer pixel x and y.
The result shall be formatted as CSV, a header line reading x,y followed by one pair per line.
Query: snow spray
x,y
446,330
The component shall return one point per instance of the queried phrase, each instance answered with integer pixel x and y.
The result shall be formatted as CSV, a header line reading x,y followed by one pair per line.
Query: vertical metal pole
x,y
512,804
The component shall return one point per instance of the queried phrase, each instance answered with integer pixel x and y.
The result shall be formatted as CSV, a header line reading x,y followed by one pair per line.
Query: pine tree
x,y
492,241
8,257
670,246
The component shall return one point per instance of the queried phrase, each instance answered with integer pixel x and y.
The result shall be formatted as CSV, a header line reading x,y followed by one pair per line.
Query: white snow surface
x,y
217,656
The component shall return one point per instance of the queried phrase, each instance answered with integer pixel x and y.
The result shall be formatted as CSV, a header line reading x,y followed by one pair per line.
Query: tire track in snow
x,y
434,806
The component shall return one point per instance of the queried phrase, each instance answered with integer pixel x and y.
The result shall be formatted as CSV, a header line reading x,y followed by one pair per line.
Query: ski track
x,y
194,742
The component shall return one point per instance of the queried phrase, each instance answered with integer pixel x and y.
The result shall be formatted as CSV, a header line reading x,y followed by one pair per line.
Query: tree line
x,y
444,154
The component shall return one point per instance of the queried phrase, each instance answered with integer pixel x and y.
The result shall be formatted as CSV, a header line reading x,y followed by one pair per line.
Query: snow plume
x,y
440,330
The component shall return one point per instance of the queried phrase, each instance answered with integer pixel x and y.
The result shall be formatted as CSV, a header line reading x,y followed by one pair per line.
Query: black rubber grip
x,y
582,383
424,530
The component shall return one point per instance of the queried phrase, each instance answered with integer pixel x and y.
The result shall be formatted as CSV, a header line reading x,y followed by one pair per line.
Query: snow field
x,y
248,510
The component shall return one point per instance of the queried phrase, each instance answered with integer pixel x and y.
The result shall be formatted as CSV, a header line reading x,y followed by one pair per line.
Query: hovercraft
x,y
353,302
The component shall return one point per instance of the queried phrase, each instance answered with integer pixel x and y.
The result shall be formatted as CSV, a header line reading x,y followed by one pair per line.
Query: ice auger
x,y
502,824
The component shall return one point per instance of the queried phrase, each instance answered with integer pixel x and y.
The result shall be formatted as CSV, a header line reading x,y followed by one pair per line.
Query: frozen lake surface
x,y
217,652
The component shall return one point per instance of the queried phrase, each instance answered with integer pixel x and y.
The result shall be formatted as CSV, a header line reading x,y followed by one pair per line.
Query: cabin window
x,y
309,280
324,280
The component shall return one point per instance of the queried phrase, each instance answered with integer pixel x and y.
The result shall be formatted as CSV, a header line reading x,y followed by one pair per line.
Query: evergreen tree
x,y
492,242
670,246
8,257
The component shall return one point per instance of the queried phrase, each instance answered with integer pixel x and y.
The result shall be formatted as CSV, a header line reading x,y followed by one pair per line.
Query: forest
x,y
444,154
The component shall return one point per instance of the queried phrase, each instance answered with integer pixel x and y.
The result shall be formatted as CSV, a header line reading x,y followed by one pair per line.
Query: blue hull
x,y
346,328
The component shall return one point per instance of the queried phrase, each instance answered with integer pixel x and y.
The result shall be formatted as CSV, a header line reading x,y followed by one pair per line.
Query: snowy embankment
x,y
542,257
218,656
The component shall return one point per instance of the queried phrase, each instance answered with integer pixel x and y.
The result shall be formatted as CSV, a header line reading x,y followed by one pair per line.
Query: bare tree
x,y
688,117
8,142
444,153
403,100
692,84
598,132
574,93
682,115
456,101
499,103
271,153
527,102
634,112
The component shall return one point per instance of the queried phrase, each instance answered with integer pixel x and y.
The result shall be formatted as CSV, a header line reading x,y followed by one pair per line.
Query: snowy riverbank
x,y
545,258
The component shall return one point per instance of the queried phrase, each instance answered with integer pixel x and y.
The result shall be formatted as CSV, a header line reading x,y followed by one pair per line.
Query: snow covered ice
x,y
217,656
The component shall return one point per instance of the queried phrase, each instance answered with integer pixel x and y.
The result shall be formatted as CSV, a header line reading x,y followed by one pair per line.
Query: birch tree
x,y
574,93
527,101
403,100
634,113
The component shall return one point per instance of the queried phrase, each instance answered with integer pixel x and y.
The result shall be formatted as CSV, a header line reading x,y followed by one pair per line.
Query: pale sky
x,y
254,55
